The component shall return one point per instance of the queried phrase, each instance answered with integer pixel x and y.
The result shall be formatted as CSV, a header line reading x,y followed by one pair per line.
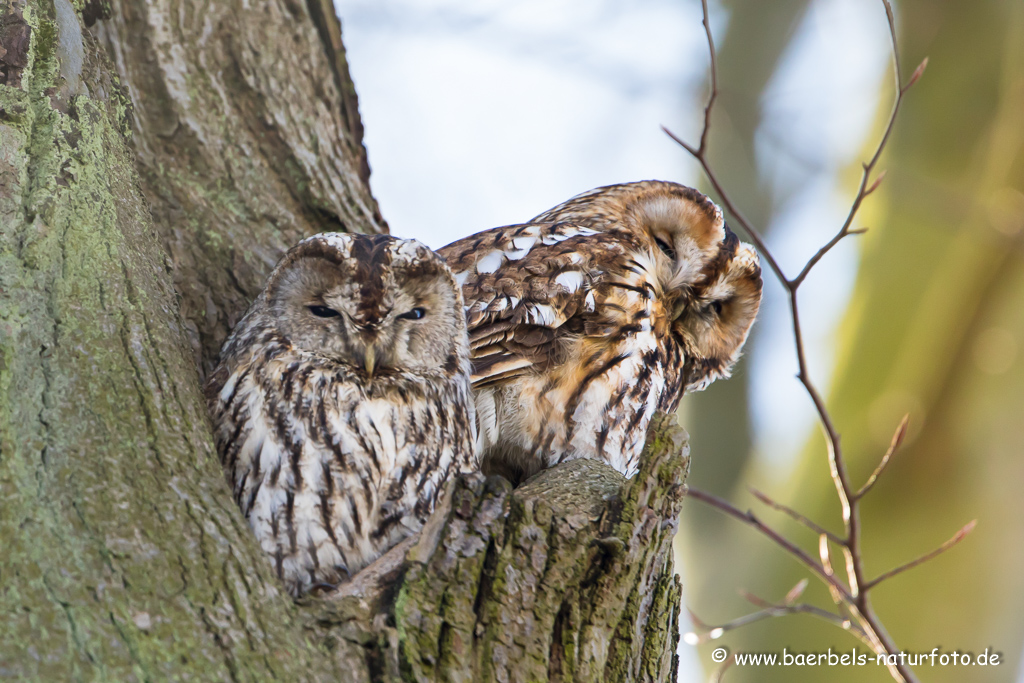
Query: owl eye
x,y
323,312
666,247
414,314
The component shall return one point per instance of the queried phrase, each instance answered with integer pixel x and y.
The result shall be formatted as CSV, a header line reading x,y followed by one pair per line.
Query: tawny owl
x,y
596,314
341,403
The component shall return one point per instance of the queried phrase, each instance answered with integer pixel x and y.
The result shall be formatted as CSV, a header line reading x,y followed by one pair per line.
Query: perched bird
x,y
594,315
341,403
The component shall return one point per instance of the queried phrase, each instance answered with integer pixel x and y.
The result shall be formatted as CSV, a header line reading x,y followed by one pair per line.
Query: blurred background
x,y
486,113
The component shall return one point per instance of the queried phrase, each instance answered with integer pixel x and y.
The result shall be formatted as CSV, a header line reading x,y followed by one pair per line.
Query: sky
x,y
486,113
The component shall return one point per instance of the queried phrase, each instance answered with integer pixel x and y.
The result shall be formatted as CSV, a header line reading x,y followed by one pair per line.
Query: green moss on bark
x,y
568,578
124,556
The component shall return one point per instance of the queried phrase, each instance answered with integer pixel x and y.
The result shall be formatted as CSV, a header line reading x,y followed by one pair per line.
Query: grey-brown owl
x,y
596,314
342,403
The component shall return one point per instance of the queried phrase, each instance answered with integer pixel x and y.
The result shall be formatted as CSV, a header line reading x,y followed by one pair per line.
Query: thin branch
x,y
716,676
714,81
723,197
836,464
796,516
957,537
897,439
751,520
826,563
855,598
864,190
771,611
843,622
895,45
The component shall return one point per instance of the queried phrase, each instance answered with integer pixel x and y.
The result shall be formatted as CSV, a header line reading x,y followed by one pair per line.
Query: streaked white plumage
x,y
342,404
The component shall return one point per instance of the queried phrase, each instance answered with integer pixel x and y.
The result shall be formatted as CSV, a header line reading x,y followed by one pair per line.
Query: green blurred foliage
x,y
936,330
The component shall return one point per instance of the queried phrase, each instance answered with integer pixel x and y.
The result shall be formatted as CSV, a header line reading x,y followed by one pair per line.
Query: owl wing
x,y
526,287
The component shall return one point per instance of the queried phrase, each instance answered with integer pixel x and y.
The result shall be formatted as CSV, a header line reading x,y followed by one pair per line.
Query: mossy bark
x,y
123,556
246,138
567,578
155,159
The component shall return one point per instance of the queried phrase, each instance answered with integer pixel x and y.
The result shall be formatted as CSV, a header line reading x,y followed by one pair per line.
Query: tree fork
x,y
156,158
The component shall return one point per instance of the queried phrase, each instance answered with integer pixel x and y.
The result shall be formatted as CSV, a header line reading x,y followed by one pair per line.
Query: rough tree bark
x,y
156,158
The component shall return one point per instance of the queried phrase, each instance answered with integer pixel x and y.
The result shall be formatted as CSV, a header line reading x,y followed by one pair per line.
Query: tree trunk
x,y
156,158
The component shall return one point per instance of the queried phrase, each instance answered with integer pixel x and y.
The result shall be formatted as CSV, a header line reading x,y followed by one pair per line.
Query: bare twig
x,y
826,563
796,516
750,519
771,611
957,537
714,81
767,610
716,677
854,598
839,620
897,439
754,235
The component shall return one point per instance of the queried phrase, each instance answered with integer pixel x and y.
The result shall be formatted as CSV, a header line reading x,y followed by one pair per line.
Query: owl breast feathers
x,y
596,314
342,403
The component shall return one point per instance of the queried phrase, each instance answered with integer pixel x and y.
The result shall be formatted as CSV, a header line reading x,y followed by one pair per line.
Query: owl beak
x,y
681,303
678,307
370,359
685,296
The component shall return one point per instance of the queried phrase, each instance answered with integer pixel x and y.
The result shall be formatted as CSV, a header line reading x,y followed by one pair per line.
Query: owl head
x,y
678,226
378,304
718,312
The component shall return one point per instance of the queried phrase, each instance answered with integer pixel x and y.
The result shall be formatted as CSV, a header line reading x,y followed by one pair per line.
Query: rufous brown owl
x,y
342,404
596,314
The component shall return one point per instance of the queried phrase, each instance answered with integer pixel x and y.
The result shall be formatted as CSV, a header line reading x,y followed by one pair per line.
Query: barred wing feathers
x,y
530,286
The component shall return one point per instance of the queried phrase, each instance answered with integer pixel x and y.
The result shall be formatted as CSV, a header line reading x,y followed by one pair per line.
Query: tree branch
x,y
854,598
768,610
897,439
957,537
770,502
751,520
